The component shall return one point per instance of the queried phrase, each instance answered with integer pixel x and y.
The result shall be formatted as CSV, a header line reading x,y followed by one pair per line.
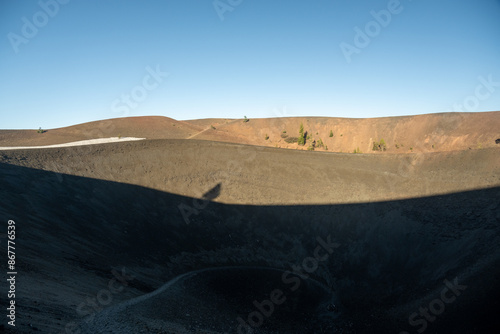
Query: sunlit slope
x,y
259,175
405,134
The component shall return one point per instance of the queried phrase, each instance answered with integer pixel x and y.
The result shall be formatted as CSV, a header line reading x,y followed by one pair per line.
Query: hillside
x,y
182,236
184,232
406,134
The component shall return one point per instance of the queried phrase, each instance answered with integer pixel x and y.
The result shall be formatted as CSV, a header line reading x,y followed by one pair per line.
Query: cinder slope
x,y
84,214
260,175
151,127
422,133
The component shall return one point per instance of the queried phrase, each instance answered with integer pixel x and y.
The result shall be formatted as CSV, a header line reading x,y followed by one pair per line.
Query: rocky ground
x,y
145,236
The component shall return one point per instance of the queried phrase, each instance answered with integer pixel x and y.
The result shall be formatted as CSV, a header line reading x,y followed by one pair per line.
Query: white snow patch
x,y
76,143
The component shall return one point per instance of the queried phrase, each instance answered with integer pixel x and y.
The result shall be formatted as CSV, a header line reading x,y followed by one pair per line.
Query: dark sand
x,y
102,225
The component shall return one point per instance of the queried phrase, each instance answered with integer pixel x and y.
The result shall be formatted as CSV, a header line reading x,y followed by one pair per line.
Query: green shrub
x,y
331,133
213,127
320,143
379,146
357,150
245,119
40,130
310,148
266,137
301,140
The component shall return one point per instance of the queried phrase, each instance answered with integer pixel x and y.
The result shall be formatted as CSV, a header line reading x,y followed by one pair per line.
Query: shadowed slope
x,y
392,256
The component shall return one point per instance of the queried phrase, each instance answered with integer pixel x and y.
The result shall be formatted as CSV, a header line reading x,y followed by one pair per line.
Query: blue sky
x,y
64,62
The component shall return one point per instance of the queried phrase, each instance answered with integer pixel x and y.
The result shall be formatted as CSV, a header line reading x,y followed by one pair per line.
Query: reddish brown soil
x,y
422,133
162,208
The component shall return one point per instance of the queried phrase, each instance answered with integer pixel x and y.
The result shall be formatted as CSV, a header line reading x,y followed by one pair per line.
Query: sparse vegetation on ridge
x,y
301,140
379,146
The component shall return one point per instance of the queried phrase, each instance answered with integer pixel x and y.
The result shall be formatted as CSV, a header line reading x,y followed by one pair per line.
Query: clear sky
x,y
64,62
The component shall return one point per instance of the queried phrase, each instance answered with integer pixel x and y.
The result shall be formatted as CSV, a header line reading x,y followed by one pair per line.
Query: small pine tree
x,y
301,140
379,146
382,144
331,133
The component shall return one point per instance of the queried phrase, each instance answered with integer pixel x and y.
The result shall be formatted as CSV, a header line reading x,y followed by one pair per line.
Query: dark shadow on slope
x,y
392,257
213,193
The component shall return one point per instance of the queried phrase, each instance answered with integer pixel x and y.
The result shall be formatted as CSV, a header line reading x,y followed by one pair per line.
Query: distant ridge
x,y
403,134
